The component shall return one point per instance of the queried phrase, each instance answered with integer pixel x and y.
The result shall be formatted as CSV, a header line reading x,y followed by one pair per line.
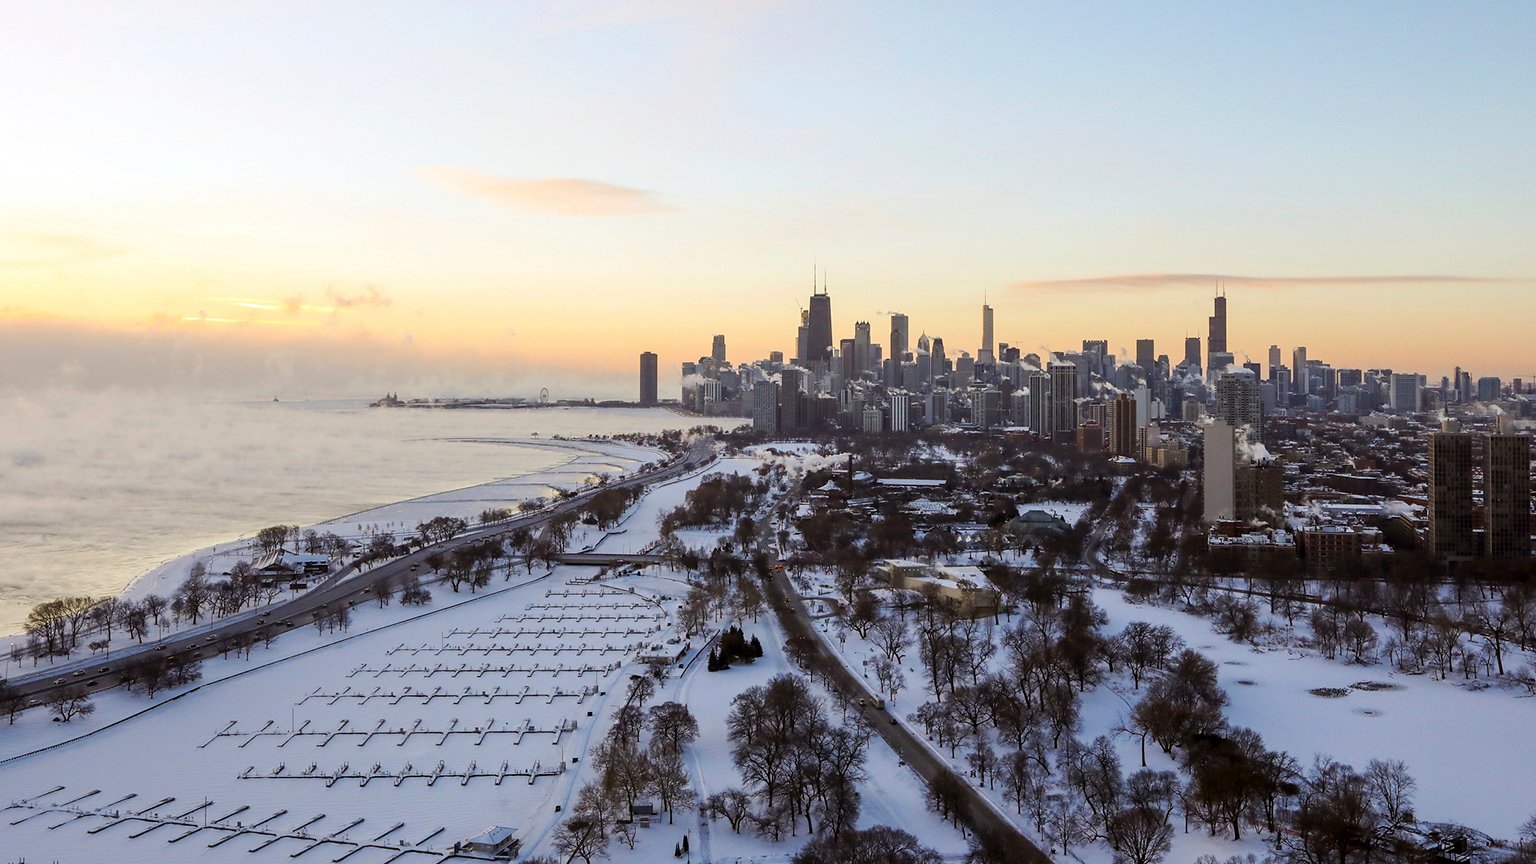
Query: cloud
x,y
558,196
26,249
1173,281
367,295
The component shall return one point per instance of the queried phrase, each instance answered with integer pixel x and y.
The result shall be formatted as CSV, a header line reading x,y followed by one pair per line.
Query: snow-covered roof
x,y
493,836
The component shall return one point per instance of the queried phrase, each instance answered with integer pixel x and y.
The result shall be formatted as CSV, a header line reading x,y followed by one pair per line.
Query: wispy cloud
x,y
1129,282
366,295
558,196
26,249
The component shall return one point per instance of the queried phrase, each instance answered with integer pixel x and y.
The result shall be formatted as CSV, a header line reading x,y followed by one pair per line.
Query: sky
x,y
334,198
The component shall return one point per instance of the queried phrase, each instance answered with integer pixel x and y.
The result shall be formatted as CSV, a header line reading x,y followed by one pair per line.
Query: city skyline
x,y
172,194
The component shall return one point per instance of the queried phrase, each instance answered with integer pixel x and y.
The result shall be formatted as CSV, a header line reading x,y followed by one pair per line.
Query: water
x,y
97,488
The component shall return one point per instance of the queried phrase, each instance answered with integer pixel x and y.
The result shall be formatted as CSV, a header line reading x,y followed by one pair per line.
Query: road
x,y
338,589
975,811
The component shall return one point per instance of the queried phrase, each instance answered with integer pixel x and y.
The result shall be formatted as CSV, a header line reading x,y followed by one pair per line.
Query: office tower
x,y
1281,376
965,372
1018,407
1038,385
1405,392
873,421
900,329
1274,360
861,356
1301,381
1122,426
848,357
940,365
1220,479
1330,380
1192,352
1450,495
1217,341
792,411
717,350
1237,399
1489,388
765,407
1145,412
986,408
1255,368
803,337
986,356
819,331
1507,493
1063,399
1146,357
648,379
901,410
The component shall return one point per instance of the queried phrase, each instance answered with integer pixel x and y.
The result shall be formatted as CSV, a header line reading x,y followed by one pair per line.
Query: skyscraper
x,y
1274,360
1063,399
1217,342
1301,379
1192,351
717,350
1146,357
861,357
648,378
1237,398
1405,393
1220,479
986,356
818,348
1507,494
899,333
900,329
1122,425
1450,495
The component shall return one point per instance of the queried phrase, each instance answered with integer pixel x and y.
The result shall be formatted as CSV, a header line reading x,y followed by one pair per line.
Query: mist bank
x,y
251,362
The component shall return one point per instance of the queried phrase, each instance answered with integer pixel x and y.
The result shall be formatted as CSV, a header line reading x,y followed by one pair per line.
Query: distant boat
x,y
274,398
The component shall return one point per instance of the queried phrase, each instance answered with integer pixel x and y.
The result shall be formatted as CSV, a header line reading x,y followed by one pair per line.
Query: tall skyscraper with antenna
x,y
818,348
1216,343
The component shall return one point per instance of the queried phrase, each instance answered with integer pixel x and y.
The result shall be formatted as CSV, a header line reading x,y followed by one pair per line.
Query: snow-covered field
x,y
414,729
1456,741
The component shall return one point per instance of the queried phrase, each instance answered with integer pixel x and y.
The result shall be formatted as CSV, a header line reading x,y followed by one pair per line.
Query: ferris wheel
x,y
543,395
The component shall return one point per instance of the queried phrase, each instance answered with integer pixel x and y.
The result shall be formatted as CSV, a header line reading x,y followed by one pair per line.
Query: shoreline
x,y
154,578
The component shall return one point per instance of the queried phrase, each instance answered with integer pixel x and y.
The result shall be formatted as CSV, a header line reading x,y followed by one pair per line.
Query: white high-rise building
x,y
900,410
1220,478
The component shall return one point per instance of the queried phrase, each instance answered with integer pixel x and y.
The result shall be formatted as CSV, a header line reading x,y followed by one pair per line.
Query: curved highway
x,y
348,586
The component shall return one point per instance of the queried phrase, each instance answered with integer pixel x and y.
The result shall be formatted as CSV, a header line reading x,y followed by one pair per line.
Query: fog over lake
x,y
96,488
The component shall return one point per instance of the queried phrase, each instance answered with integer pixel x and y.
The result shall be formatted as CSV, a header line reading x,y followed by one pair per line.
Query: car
x,y
61,680
103,669
91,683
80,674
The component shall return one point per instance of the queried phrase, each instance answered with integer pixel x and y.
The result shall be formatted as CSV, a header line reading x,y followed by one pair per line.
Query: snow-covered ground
x,y
1443,731
414,729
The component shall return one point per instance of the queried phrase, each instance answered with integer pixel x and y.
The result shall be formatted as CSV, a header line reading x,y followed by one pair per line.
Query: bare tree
x,y
1391,788
11,701
69,703
673,727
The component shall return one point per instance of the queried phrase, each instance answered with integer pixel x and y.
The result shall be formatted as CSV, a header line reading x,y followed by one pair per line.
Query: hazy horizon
x,y
481,196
